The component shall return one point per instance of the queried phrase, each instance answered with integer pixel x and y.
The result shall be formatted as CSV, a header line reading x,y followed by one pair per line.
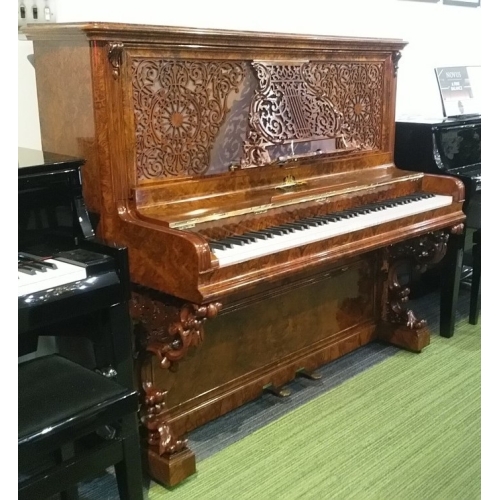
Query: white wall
x,y
438,35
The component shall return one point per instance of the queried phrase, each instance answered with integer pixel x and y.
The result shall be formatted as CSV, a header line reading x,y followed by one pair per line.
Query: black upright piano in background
x,y
71,285
445,146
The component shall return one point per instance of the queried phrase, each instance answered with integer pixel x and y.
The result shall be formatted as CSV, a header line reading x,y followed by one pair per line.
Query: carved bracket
x,y
115,51
396,56
458,229
166,327
419,253
160,434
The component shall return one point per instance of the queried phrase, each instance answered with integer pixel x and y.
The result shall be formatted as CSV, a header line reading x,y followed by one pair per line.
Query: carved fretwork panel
x,y
356,91
287,107
179,107
324,107
418,253
166,327
198,117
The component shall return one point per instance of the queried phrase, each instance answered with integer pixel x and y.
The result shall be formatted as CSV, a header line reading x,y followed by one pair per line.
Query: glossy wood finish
x,y
192,135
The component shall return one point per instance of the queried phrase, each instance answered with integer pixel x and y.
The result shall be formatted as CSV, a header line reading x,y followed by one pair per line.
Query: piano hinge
x,y
115,51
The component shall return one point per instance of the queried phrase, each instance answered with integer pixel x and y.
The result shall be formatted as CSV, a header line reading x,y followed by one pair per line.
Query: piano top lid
x,y
437,121
128,32
36,161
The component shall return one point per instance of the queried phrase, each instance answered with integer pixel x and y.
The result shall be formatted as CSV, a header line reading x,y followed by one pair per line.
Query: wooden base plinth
x,y
170,470
411,340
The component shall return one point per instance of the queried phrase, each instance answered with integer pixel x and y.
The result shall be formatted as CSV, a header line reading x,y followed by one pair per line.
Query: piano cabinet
x,y
251,177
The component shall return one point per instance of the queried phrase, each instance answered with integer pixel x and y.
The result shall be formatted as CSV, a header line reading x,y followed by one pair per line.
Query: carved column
x,y
165,329
399,325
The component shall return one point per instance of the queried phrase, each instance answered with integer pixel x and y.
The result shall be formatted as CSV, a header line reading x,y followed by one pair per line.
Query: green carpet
x,y
408,428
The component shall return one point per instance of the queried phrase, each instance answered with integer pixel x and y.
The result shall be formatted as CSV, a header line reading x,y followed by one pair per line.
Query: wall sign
x,y
460,89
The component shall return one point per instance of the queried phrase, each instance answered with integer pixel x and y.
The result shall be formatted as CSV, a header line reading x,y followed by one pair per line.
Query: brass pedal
x,y
281,392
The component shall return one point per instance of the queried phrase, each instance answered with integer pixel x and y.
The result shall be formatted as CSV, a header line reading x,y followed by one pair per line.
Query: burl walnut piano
x,y
251,177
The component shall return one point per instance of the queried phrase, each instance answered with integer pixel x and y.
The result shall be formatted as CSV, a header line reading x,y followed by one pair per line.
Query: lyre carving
x,y
311,102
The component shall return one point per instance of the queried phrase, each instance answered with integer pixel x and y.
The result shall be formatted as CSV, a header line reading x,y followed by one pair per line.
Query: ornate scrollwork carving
x,y
179,107
287,107
419,253
167,328
458,229
397,299
313,102
159,432
356,92
115,51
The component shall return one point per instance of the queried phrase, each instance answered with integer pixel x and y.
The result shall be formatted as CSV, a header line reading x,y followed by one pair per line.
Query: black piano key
x,y
333,217
263,235
322,219
232,240
298,225
292,227
244,237
26,270
218,245
313,222
35,261
279,231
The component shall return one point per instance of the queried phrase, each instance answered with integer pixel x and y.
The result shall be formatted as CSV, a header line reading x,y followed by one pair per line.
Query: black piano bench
x,y
73,424
476,277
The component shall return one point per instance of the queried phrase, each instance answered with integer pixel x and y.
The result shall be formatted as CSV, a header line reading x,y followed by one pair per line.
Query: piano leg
x,y
120,326
450,280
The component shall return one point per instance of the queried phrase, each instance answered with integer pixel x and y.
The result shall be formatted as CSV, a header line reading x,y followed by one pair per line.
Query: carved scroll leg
x,y
400,326
170,469
450,282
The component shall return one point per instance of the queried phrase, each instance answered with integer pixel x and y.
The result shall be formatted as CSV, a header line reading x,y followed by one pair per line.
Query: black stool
x,y
476,277
74,423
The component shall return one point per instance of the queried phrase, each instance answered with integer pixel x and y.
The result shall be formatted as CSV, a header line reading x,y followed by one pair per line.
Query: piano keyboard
x,y
254,244
36,274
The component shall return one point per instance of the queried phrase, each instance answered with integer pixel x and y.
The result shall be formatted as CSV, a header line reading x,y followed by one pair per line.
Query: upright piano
x,y
71,285
444,146
252,178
